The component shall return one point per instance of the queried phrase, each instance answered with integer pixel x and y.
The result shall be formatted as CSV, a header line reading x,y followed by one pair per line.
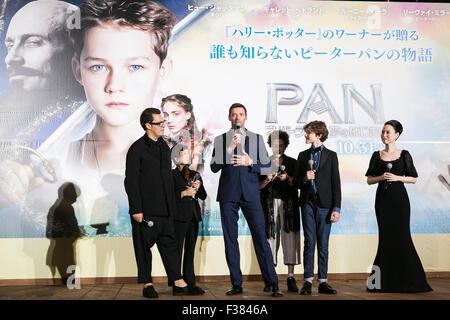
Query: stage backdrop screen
x,y
353,65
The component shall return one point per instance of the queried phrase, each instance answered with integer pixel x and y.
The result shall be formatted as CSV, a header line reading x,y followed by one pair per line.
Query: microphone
x,y
240,146
282,170
388,169
148,223
196,177
311,164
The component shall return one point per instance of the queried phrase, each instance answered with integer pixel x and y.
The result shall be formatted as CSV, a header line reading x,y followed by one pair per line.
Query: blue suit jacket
x,y
236,182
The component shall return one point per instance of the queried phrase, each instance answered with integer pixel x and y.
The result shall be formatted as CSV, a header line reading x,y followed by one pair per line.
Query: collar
x,y
183,170
233,130
318,149
149,141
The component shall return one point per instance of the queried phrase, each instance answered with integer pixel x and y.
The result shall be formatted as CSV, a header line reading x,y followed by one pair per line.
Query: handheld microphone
x,y
195,178
311,164
148,223
388,169
240,146
311,167
282,170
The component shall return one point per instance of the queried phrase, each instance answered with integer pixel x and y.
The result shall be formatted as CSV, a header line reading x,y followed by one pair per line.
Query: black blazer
x,y
148,178
328,181
187,207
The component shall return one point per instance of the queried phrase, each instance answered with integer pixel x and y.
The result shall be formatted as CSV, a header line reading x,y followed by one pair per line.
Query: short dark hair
x,y
147,15
396,125
147,116
278,134
319,128
236,105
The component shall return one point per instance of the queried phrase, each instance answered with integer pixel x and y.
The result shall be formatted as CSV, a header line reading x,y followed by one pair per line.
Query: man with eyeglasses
x,y
149,186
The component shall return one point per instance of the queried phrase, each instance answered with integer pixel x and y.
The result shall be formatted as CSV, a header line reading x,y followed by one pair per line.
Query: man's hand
x,y
283,176
310,175
242,161
335,216
138,217
234,143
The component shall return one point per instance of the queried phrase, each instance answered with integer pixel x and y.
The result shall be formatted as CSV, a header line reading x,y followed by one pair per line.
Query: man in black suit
x,y
149,186
320,201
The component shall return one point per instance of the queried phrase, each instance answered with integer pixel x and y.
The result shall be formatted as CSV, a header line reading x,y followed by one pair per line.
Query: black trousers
x,y
144,237
186,234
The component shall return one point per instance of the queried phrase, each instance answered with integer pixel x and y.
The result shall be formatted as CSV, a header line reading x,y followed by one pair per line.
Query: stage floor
x,y
253,290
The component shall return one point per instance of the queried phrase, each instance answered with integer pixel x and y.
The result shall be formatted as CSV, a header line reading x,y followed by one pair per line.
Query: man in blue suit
x,y
241,155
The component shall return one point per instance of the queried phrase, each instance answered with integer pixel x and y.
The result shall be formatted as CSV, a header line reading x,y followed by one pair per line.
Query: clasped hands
x,y
390,177
281,177
191,191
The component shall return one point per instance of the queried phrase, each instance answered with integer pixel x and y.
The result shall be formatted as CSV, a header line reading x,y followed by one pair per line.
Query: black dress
x,y
399,265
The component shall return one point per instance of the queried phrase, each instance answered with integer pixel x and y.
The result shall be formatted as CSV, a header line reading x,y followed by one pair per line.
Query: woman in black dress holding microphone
x,y
397,267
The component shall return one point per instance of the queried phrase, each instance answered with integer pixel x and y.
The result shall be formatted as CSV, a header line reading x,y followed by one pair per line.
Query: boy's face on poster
x,y
119,72
175,116
32,47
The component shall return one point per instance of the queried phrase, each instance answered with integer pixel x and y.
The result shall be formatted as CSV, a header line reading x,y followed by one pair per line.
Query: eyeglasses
x,y
161,123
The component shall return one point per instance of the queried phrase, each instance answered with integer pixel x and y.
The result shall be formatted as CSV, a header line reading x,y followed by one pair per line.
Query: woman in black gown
x,y
396,264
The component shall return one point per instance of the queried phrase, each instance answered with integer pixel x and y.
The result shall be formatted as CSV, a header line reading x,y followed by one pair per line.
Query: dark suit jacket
x,y
148,178
327,180
187,207
235,182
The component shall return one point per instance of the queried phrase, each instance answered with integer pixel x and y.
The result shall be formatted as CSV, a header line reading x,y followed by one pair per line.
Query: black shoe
x,y
276,292
306,289
234,290
196,291
180,291
149,292
324,287
268,288
292,285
